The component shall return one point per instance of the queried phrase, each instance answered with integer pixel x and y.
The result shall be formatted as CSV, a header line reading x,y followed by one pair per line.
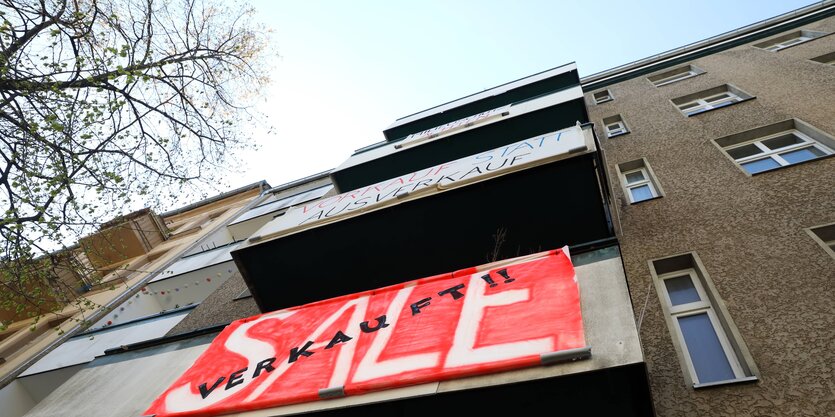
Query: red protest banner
x,y
473,321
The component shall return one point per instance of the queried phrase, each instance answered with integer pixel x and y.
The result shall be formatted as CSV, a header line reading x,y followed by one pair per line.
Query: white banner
x,y
508,158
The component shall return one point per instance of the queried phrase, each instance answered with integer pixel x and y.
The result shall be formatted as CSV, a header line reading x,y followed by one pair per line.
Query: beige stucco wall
x,y
777,283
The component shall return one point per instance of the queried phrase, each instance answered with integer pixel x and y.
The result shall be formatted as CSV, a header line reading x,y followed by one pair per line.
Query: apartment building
x,y
654,239
719,159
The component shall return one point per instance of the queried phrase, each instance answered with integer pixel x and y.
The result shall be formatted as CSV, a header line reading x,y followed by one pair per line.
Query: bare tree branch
x,y
108,102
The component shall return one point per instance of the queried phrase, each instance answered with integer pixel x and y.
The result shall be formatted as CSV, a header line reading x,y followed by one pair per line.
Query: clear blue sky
x,y
347,69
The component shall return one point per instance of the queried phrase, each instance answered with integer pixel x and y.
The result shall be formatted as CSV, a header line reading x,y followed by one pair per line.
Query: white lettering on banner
x,y
463,351
370,367
360,304
183,399
498,319
481,165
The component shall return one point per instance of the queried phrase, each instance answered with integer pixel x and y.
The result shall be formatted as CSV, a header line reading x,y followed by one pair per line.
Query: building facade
x,y
720,162
687,199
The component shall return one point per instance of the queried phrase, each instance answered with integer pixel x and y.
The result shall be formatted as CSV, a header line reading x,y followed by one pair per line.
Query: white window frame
x,y
775,154
619,130
646,181
790,39
703,104
687,72
694,308
604,98
787,43
676,77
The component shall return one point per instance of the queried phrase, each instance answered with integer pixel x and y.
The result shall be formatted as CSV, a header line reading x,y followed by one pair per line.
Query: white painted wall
x,y
246,229
122,385
39,386
194,262
192,287
15,400
84,348
139,305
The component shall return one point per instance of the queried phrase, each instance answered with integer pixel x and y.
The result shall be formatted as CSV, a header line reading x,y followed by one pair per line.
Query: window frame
x,y
699,307
787,43
710,99
776,154
621,130
640,164
789,40
703,105
733,346
614,120
812,136
691,306
674,75
646,181
604,99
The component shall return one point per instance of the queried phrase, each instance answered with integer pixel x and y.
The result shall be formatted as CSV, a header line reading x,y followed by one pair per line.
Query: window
x,y
775,146
782,149
601,97
714,98
638,181
707,341
789,39
828,59
615,126
678,74
638,185
705,345
824,236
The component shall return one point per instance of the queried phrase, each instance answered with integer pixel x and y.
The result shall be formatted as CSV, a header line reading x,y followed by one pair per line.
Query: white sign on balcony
x,y
508,158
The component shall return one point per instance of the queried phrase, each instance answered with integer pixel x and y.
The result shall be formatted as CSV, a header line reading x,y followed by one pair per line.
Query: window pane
x,y
706,352
794,41
760,165
633,177
782,141
674,78
681,290
722,104
641,193
744,151
801,155
688,105
718,97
